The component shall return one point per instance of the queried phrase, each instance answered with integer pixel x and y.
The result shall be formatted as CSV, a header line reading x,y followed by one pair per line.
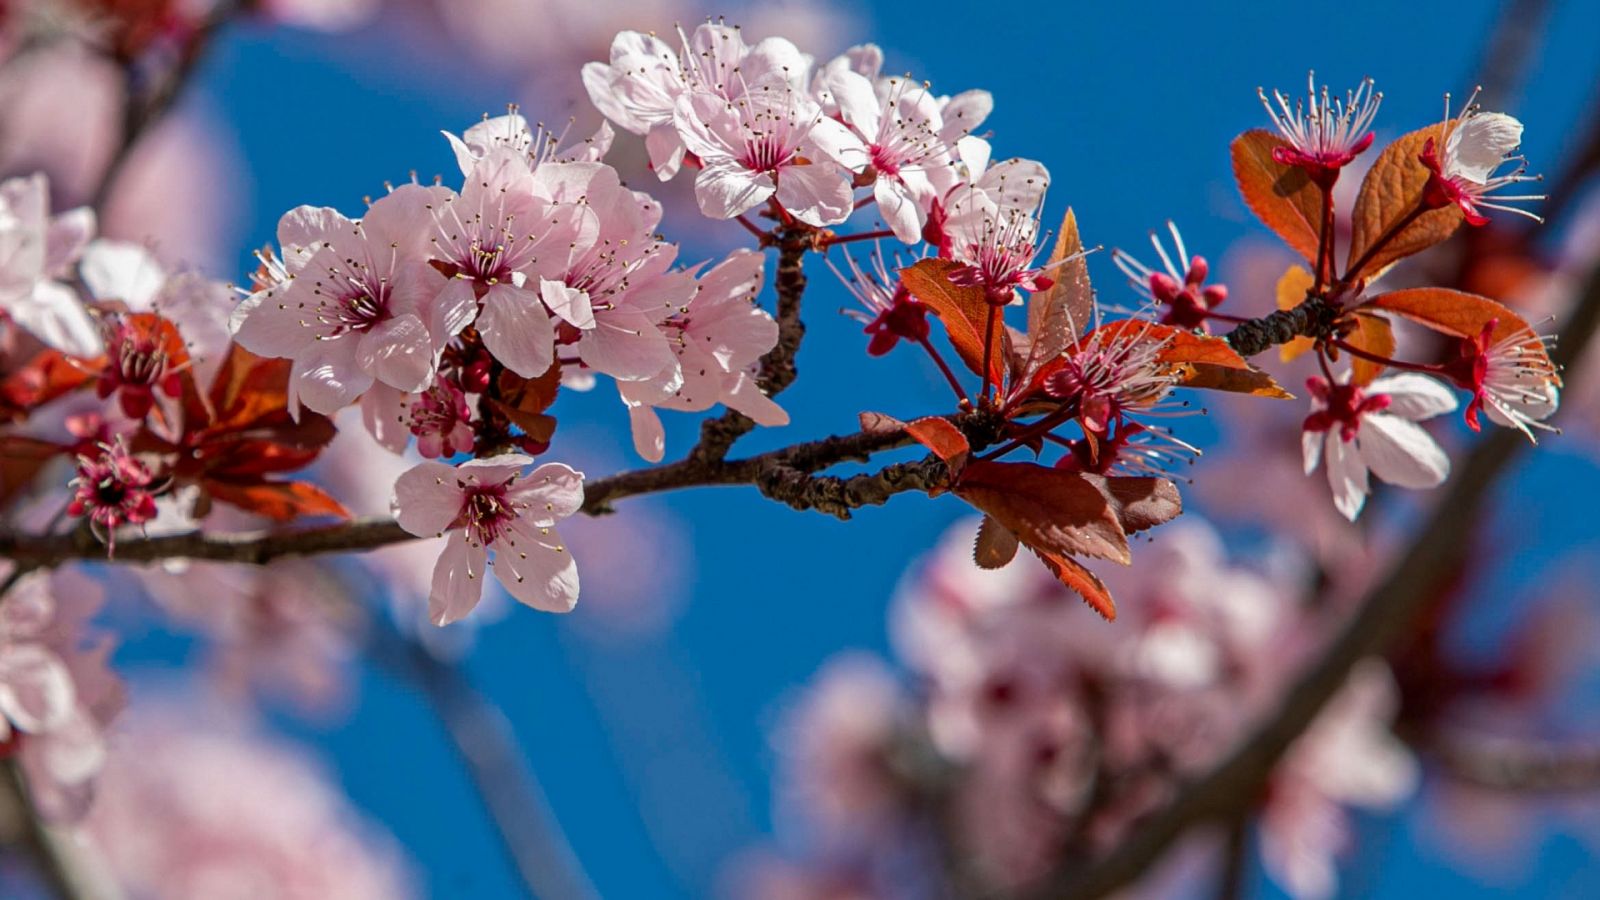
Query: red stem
x,y
863,236
1355,351
955,384
988,352
753,228
1381,242
1325,241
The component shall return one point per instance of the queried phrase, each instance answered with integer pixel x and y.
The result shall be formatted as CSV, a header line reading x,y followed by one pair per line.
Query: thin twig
x,y
490,752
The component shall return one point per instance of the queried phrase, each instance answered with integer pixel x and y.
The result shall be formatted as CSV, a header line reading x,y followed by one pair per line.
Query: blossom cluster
x,y
1030,734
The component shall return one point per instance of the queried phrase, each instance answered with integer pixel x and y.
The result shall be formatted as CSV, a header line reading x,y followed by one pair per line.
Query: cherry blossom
x,y
492,505
718,337
113,488
1325,133
174,818
640,89
898,143
891,312
991,226
1510,377
536,145
353,310
1479,145
1374,428
771,142
1179,289
37,252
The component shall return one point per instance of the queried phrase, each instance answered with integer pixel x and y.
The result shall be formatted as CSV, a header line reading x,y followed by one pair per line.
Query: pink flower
x,y
892,314
486,241
488,504
992,227
535,146
1324,133
897,141
1375,428
1510,378
718,338
35,685
640,88
771,142
613,289
113,488
353,311
37,251
1180,289
1479,145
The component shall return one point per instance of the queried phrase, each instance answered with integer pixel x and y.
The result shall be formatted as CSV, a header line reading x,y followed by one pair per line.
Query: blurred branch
x,y
143,109
1382,614
1235,858
1511,43
488,749
1517,764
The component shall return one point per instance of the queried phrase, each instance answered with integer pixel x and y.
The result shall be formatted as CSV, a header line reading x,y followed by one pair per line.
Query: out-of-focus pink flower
x,y
284,628
56,688
112,489
837,744
196,814
490,504
1346,758
37,252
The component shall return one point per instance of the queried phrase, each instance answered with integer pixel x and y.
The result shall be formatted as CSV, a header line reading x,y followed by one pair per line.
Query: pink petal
x,y
398,352
536,568
726,189
427,498
1401,453
517,330
818,194
457,580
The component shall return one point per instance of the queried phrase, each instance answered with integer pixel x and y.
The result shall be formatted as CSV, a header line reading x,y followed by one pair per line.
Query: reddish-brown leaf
x,y
995,545
944,439
1049,509
1282,197
21,458
1372,334
1452,312
1140,503
277,500
964,312
1392,192
1083,582
48,375
1057,316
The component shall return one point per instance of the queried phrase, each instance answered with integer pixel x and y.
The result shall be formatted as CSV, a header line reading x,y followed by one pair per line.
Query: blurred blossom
x,y
60,110
223,811
1044,731
57,692
281,629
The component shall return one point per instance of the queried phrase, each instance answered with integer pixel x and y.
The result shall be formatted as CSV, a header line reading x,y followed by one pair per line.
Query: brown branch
x,y
717,435
1517,764
1312,318
1383,614
785,473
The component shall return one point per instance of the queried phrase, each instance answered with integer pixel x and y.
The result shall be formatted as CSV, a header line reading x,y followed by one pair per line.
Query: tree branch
x,y
717,435
785,473
1385,611
1313,319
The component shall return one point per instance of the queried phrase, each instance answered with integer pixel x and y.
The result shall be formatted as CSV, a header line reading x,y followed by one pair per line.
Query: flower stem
x,y
938,360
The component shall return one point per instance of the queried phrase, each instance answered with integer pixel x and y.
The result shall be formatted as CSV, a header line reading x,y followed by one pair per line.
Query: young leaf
x,y
1372,334
944,439
1292,289
1282,197
964,312
1390,194
1057,316
1049,509
1083,582
278,500
1139,503
995,546
1452,312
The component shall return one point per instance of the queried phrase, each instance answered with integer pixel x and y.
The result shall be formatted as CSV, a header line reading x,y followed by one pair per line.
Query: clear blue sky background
x,y
655,752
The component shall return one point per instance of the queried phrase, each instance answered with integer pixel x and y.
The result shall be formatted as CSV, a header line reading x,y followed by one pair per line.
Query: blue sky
x,y
654,752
